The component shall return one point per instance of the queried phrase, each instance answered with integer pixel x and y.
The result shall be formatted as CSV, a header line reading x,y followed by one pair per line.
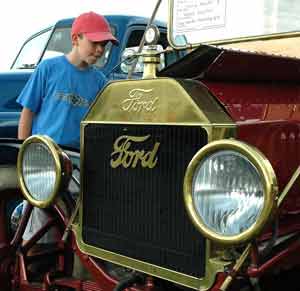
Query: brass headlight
x,y
43,170
230,191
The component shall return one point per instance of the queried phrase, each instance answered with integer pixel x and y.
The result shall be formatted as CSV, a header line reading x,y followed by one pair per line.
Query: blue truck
x,y
54,41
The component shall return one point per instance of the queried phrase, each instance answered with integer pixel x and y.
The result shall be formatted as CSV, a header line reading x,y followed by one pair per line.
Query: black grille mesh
x,y
139,212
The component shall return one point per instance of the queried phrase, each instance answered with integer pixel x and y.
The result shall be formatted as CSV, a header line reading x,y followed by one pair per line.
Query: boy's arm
x,y
25,123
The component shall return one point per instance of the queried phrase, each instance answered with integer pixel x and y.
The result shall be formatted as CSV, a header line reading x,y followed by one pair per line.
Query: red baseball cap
x,y
94,26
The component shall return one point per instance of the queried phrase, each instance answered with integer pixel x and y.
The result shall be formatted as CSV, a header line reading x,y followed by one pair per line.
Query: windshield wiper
x,y
27,66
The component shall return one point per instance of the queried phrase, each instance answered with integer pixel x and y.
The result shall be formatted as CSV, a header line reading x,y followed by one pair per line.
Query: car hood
x,y
11,84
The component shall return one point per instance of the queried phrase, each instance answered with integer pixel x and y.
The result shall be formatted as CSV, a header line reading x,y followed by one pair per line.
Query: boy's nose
x,y
99,49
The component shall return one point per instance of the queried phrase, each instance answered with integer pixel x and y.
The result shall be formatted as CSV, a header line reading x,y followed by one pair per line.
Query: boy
x,y
61,89
59,92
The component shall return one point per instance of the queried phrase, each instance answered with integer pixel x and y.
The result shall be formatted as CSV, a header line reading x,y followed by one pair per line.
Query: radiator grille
x,y
139,212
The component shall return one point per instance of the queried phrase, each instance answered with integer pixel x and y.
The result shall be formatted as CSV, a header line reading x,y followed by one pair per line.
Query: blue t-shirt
x,y
59,94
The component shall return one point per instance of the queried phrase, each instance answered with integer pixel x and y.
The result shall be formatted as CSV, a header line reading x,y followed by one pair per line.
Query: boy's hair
x,y
94,26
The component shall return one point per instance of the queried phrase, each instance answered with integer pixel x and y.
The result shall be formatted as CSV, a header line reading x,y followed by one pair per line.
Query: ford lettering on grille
x,y
124,156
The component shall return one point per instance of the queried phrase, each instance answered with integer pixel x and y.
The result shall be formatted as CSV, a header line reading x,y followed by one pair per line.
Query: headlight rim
x,y
56,153
269,182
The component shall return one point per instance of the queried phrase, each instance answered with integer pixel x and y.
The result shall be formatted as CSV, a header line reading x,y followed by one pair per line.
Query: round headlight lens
x,y
39,171
227,192
230,191
43,170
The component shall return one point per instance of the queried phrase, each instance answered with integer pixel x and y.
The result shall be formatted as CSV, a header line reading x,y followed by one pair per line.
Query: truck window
x,y
31,51
59,44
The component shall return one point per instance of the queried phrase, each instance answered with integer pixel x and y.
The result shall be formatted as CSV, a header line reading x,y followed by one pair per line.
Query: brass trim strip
x,y
261,37
288,186
203,124
239,263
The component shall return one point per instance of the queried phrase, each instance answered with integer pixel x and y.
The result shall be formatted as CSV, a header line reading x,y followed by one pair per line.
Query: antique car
x,y
187,179
54,41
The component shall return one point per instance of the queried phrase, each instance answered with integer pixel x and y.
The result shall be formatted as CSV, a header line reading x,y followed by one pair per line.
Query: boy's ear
x,y
74,39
